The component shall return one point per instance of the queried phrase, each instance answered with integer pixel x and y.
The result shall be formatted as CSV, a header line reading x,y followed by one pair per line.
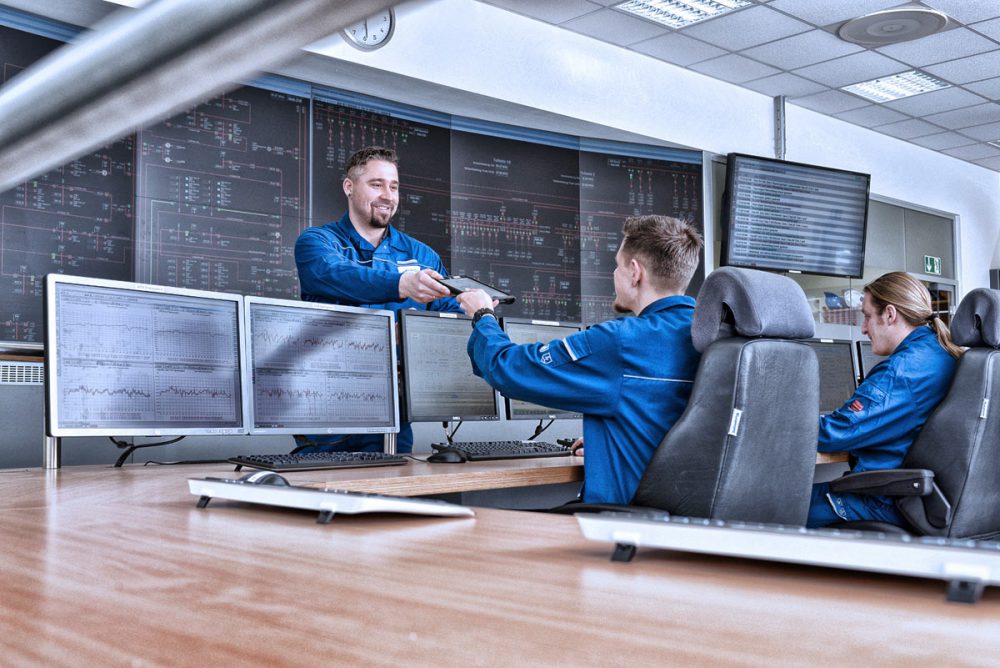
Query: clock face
x,y
373,32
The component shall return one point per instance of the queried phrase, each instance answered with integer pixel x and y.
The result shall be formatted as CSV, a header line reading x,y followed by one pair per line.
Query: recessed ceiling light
x,y
680,13
896,87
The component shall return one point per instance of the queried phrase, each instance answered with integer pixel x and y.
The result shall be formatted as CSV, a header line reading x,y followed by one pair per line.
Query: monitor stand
x,y
51,452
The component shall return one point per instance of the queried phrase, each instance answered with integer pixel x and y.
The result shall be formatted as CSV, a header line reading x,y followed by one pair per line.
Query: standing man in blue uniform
x,y
360,260
879,423
630,377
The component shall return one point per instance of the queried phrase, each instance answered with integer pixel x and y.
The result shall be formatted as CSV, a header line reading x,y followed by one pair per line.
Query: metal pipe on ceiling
x,y
140,66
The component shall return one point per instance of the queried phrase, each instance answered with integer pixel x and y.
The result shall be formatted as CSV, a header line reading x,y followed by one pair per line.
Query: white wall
x,y
474,47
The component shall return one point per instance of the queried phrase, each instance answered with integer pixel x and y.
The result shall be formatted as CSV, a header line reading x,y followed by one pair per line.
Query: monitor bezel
x,y
317,306
728,205
827,341
575,327
50,336
862,371
405,316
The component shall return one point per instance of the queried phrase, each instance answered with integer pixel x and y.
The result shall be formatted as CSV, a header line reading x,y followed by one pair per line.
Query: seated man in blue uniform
x,y
630,377
360,260
879,423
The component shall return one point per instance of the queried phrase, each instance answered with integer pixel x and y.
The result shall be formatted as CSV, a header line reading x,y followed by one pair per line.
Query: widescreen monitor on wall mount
x,y
438,383
837,372
128,359
320,368
520,331
788,216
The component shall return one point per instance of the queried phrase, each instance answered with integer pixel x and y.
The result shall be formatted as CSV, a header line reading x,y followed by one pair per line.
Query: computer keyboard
x,y
481,450
327,502
309,461
967,565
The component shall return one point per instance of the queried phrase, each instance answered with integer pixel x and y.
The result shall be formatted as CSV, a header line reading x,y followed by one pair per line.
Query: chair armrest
x,y
890,482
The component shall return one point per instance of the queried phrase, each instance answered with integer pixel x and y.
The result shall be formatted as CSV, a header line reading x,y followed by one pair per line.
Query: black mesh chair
x,y
745,447
949,483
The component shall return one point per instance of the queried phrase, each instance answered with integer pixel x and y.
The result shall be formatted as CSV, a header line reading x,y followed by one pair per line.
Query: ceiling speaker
x,y
891,26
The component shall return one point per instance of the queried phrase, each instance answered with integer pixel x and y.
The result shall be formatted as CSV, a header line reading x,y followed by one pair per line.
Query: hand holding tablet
x,y
459,284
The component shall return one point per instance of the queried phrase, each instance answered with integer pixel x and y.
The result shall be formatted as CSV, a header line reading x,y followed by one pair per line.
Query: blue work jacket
x,y
338,266
880,421
631,378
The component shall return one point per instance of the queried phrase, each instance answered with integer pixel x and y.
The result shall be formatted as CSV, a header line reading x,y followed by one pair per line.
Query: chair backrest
x,y
745,447
960,442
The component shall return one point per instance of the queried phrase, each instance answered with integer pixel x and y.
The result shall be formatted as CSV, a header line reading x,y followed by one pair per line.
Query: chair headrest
x,y
751,303
977,320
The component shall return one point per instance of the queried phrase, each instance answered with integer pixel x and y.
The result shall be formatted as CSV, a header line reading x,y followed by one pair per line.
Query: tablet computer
x,y
459,284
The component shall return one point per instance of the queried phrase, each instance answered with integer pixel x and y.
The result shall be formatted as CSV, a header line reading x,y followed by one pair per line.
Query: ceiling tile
x,y
964,70
948,45
987,132
909,129
852,69
871,116
678,49
964,118
966,11
943,140
611,26
989,88
935,102
785,84
989,28
746,28
800,50
734,68
552,11
989,163
973,152
825,12
830,102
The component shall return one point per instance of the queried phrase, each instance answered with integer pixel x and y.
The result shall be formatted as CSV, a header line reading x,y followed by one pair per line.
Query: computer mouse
x,y
265,478
447,457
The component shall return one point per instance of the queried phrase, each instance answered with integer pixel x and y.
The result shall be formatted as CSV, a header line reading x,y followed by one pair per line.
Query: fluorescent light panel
x,y
680,13
896,87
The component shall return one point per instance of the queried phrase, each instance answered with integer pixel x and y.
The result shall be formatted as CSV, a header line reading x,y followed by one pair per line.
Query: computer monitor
x,y
837,379
438,383
128,359
320,368
867,359
791,216
520,331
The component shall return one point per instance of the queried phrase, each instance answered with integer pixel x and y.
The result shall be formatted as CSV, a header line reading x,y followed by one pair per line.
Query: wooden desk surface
x,y
418,478
118,567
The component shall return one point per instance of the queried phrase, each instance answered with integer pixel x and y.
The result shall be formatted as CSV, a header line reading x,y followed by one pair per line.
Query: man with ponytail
x,y
880,421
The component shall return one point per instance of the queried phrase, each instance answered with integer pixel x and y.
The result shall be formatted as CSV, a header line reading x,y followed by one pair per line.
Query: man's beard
x,y
380,221
618,308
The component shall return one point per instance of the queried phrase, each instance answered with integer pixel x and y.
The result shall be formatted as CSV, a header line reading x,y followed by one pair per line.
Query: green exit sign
x,y
932,265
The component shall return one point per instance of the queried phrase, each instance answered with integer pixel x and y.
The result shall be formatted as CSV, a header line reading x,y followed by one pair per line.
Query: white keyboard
x,y
326,502
967,565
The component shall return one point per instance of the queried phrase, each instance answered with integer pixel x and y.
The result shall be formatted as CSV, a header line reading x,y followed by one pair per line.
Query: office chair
x,y
745,446
949,485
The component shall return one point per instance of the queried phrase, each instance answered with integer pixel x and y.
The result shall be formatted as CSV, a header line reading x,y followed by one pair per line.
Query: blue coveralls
x,y
879,422
338,266
631,378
